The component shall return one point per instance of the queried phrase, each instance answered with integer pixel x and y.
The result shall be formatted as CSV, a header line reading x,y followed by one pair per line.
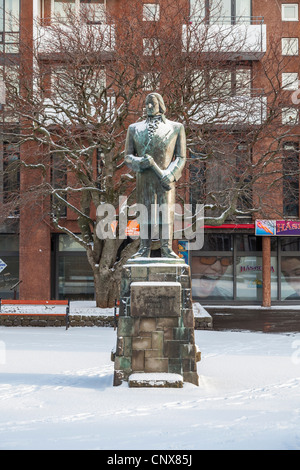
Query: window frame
x,y
151,46
291,186
203,13
155,15
283,6
284,116
77,9
287,48
289,84
233,82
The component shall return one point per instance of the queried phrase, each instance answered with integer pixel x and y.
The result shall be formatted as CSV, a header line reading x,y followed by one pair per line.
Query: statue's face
x,y
152,106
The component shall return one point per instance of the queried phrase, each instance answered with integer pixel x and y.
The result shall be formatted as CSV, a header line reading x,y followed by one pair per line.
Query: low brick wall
x,y
204,323
203,320
46,320
31,320
85,320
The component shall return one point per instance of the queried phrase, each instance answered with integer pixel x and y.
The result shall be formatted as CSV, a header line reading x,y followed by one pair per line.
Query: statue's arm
x,y
176,167
131,160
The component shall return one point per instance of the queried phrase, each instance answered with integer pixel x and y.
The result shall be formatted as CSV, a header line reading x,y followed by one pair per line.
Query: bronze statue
x,y
156,150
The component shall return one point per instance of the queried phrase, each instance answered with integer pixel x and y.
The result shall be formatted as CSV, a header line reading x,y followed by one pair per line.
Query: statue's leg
x,y
166,199
144,199
145,243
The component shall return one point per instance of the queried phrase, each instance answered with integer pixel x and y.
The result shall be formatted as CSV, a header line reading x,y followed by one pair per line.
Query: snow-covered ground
x,y
56,392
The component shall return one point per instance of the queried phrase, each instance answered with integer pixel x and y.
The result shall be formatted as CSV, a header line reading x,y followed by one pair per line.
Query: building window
x,y
290,81
151,12
10,175
197,10
290,170
245,254
248,269
150,46
243,162
72,274
9,26
289,12
290,268
222,82
58,181
197,179
290,46
212,269
65,83
11,170
221,11
290,116
93,10
10,87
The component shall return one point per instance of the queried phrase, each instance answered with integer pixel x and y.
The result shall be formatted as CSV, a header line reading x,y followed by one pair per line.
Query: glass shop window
x,y
9,276
290,268
75,277
212,269
290,277
249,280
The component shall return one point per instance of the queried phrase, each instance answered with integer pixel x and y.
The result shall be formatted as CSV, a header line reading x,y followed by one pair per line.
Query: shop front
x,y
229,269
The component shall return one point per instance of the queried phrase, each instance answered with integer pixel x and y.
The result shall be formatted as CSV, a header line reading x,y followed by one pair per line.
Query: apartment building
x,y
251,55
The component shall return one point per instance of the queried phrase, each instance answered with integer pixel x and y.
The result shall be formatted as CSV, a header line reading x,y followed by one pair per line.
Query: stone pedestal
x,y
155,335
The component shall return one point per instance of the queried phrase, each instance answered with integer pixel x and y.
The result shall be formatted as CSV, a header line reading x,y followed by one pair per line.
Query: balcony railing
x,y
250,20
243,37
104,34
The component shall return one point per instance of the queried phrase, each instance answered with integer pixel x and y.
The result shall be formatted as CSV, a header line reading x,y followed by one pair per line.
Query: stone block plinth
x,y
156,324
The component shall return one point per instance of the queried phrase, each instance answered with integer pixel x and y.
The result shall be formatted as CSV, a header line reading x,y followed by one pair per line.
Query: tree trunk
x,y
108,273
106,289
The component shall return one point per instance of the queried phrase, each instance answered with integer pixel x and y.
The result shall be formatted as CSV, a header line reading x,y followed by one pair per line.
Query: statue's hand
x,y
167,179
146,162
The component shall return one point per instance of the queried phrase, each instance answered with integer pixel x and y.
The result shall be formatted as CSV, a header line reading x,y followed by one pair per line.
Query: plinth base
x,y
155,380
156,322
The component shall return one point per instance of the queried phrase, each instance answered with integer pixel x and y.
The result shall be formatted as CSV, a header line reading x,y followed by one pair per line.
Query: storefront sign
x,y
288,227
265,227
277,227
3,265
133,229
183,250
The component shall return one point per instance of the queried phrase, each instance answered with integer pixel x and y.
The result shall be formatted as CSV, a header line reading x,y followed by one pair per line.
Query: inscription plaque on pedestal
x,y
155,299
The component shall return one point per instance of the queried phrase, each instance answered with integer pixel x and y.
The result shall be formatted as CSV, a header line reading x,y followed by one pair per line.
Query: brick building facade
x,y
234,266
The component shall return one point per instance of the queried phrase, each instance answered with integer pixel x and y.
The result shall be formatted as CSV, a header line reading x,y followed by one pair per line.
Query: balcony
x,y
97,37
235,111
243,39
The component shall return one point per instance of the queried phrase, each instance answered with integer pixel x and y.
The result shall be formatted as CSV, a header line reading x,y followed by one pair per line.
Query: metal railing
x,y
227,20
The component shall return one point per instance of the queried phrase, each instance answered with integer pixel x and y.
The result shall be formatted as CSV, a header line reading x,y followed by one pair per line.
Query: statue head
x,y
155,104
